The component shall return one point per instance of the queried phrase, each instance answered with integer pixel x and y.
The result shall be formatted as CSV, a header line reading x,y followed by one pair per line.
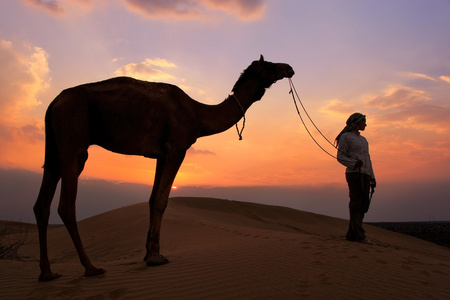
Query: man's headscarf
x,y
352,121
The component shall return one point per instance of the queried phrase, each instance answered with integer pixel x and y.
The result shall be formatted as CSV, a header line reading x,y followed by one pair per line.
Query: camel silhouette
x,y
129,116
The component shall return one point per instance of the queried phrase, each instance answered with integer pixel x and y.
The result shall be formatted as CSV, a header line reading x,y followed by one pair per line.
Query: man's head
x,y
357,121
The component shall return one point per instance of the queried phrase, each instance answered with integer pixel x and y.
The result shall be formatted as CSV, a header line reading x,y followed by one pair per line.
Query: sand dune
x,y
221,249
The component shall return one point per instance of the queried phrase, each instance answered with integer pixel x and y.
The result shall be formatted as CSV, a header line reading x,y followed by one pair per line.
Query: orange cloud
x,y
337,106
149,69
406,107
244,9
166,9
398,96
445,78
423,76
421,117
24,74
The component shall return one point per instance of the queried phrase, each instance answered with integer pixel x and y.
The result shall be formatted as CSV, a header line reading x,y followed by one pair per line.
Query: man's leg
x,y
355,232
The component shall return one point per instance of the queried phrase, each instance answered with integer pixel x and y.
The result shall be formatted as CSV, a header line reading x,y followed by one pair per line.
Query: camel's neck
x,y
218,118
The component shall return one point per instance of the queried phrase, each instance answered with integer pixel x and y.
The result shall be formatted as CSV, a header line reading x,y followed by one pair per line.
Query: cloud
x,y
23,75
423,76
156,70
50,6
409,108
445,78
163,9
193,151
149,69
194,9
62,7
32,132
244,9
337,106
423,117
399,96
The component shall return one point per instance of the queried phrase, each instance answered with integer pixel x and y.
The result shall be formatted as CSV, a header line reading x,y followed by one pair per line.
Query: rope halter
x,y
239,132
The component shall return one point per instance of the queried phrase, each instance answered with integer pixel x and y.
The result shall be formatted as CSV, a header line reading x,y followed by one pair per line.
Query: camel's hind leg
x,y
66,209
42,213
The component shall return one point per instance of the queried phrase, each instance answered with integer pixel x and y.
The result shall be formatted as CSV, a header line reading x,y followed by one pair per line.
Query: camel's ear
x,y
261,59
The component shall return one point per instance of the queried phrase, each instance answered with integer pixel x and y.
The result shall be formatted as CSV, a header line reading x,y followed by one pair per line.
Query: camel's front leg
x,y
166,170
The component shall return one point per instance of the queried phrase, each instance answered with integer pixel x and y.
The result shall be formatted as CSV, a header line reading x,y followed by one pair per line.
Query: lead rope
x,y
243,114
294,94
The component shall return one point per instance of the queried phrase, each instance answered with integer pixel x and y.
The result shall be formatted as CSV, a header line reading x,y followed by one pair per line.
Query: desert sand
x,y
220,249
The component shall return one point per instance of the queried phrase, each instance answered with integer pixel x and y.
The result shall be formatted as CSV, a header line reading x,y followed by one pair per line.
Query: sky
x,y
389,60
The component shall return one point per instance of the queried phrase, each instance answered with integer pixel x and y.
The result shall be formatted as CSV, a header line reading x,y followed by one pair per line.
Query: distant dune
x,y
220,249
437,232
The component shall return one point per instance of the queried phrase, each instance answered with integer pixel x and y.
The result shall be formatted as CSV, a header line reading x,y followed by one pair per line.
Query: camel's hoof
x,y
94,272
48,276
157,260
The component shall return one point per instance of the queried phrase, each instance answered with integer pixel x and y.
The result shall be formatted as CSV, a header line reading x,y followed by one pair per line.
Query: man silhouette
x,y
353,152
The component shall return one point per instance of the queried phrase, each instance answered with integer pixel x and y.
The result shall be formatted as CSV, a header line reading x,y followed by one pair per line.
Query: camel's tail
x,y
51,149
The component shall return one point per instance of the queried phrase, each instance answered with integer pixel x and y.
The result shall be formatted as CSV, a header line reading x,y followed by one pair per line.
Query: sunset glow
x,y
388,60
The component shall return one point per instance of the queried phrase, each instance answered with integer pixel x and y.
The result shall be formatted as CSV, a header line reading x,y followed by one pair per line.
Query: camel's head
x,y
264,72
270,72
